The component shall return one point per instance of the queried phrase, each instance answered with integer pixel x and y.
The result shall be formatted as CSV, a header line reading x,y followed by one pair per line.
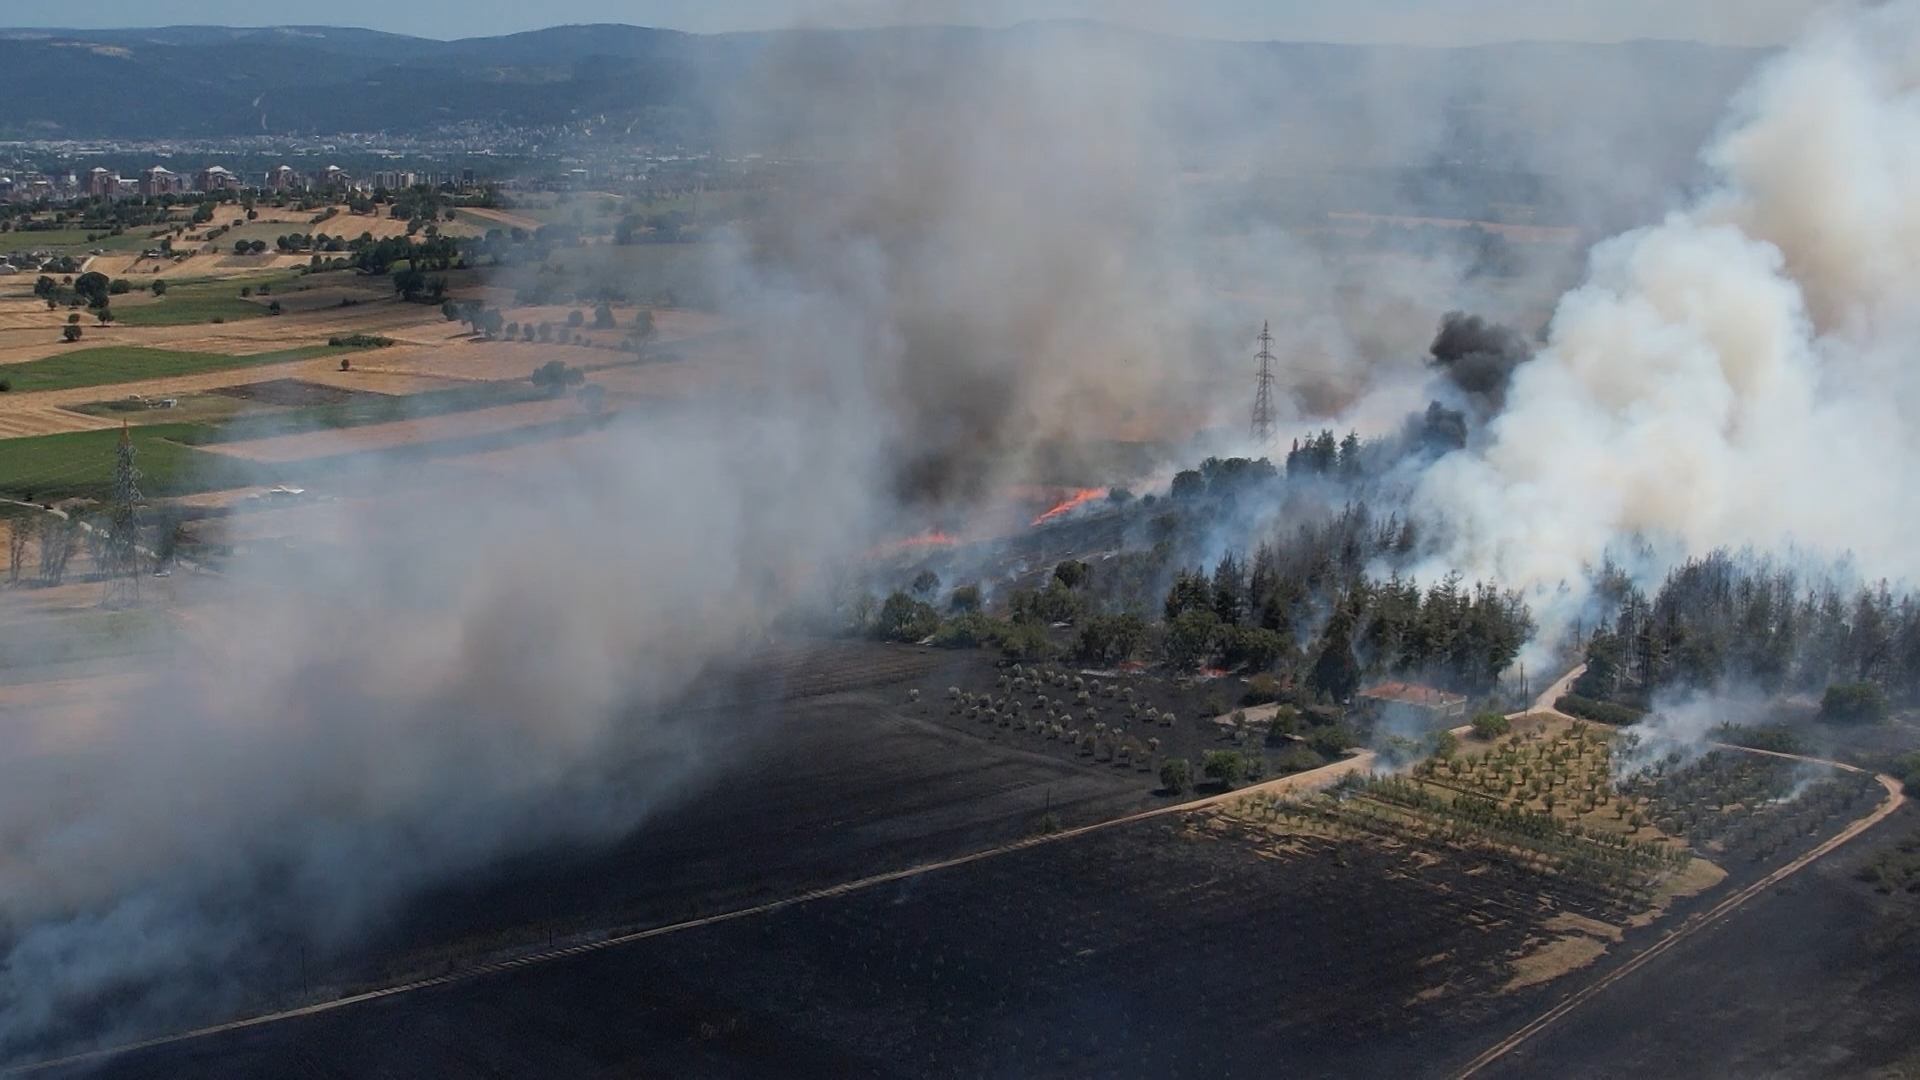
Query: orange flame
x,y
1078,498
932,539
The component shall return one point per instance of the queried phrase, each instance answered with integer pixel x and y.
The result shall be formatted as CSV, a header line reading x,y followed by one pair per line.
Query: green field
x,y
185,309
80,464
368,409
49,239
202,300
125,363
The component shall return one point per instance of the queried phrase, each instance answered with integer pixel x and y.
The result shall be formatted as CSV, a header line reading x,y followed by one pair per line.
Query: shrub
x,y
1491,725
359,341
902,618
1331,741
1225,766
159,288
1175,775
1445,744
121,286
1605,712
1110,638
1251,647
965,599
1776,738
1853,703
1190,638
968,631
1026,641
1261,690
555,376
1071,573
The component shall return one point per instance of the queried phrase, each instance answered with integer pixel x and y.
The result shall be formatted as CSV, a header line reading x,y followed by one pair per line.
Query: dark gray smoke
x,y
1479,357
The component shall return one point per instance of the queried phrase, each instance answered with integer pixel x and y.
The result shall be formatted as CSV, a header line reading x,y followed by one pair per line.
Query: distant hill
x,y
1447,130
206,81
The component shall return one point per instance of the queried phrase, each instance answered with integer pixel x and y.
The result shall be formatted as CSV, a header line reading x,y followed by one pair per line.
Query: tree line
x,y
1736,620
1302,607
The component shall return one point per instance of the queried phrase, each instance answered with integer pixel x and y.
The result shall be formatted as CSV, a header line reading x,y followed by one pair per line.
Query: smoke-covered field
x,y
1001,269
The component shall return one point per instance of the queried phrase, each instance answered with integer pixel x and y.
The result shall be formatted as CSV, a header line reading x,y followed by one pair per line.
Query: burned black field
x,y
1819,977
1371,932
1146,949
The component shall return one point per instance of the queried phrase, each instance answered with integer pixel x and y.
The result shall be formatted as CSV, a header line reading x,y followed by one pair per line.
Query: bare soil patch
x,y
292,393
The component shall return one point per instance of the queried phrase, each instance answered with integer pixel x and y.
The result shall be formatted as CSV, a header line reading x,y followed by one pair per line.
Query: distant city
x,y
60,171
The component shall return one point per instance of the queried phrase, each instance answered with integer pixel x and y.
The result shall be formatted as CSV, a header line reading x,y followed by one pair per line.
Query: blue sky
x,y
1437,22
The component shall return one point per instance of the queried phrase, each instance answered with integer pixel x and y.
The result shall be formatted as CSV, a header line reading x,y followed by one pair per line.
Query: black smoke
x,y
1479,357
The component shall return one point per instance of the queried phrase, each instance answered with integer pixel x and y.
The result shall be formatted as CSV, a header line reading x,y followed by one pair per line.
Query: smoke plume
x,y
1000,248
1738,374
1479,358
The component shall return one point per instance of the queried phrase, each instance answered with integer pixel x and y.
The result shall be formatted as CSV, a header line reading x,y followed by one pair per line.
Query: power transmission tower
x,y
122,548
1263,391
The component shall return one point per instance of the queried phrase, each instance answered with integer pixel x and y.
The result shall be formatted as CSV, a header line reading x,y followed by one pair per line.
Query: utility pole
x,y
1263,391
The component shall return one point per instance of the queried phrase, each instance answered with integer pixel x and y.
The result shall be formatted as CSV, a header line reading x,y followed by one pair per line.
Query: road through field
x,y
1297,782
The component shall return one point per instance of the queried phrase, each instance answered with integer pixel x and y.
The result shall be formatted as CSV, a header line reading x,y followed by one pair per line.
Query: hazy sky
x,y
1433,22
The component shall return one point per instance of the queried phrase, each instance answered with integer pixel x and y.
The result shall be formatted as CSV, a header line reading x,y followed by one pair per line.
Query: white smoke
x,y
1740,374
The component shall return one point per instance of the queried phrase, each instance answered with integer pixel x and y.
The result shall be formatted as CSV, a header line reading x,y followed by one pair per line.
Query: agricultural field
x,y
111,365
1819,978
1128,722
48,468
195,302
1390,926
71,241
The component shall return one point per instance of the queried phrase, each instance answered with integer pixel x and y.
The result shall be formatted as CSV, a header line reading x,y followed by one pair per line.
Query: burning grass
x,y
1071,503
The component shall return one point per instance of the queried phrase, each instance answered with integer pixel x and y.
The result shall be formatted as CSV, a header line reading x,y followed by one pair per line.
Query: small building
x,y
1412,706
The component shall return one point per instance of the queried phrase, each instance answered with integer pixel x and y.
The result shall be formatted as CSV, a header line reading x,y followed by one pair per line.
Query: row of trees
x,y
1738,620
